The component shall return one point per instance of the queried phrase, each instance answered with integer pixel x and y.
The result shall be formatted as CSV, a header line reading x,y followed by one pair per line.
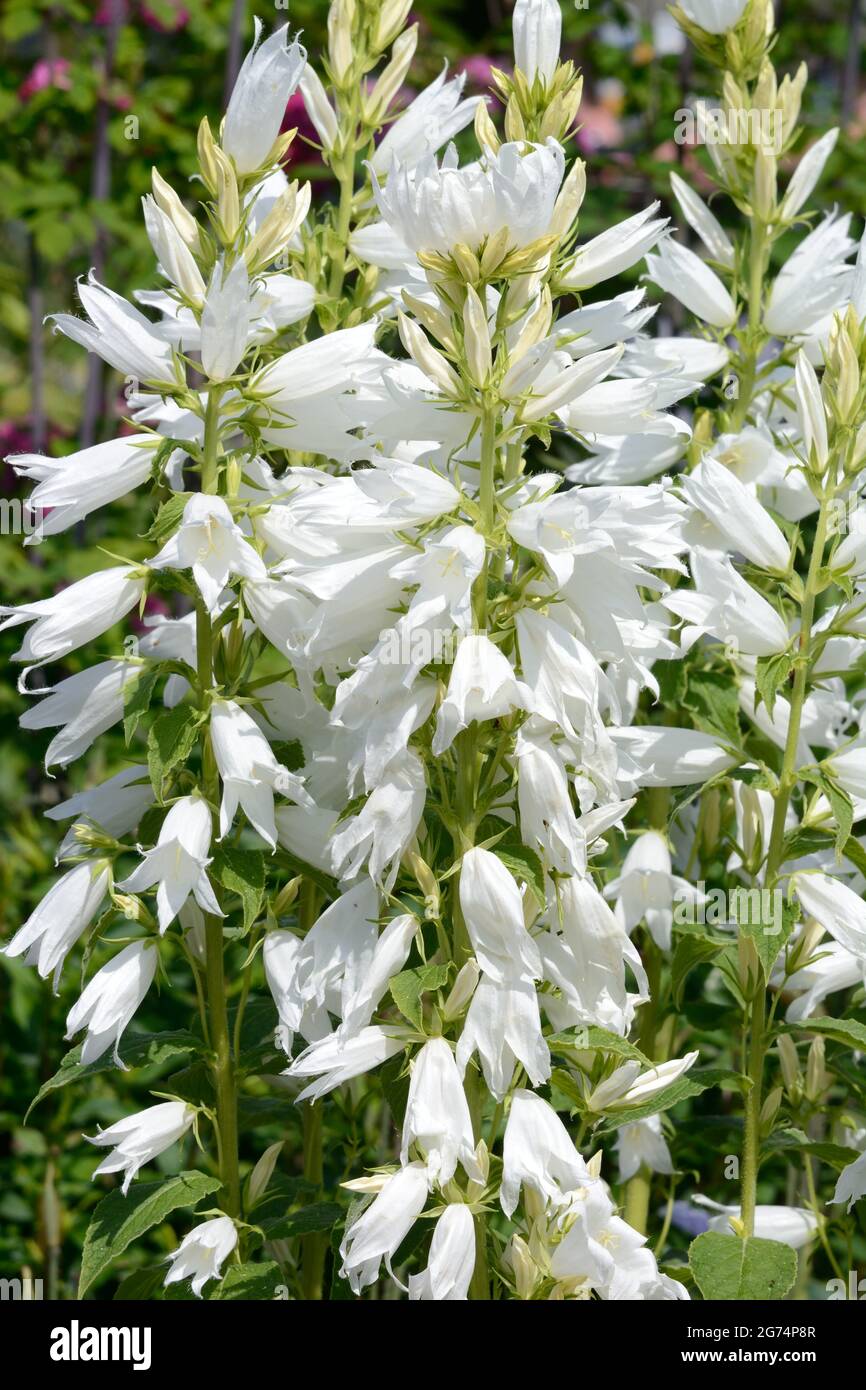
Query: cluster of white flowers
x,y
468,642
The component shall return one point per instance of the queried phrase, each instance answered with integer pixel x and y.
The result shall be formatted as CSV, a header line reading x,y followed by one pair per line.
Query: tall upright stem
x,y
314,1246
344,169
757,266
217,1010
468,772
787,783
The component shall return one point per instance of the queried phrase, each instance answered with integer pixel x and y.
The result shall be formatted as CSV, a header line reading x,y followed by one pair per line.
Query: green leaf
x,y
150,1049
141,1285
763,918
711,699
771,674
170,742
524,864
281,1194
692,950
408,987
247,1281
694,1083
672,682
193,1084
841,806
597,1040
242,871
168,518
137,693
319,1216
733,1270
119,1220
837,1155
848,1031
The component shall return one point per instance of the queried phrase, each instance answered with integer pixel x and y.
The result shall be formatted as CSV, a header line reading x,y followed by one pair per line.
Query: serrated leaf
x,y
408,986
523,864
764,919
168,518
150,1050
242,871
593,1039
841,806
733,1270
319,1216
692,950
692,1084
784,1140
771,673
142,1285
119,1220
848,1031
712,701
247,1282
282,1194
170,741
137,695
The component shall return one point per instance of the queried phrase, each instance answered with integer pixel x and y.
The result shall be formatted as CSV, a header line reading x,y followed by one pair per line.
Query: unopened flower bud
x,y
263,1171
764,185
319,108
426,881
287,895
206,155
848,376
132,908
390,80
769,1111
425,355
476,339
389,21
340,45
515,128
228,200
466,262
485,131
183,220
523,1267
816,1072
432,318
569,199
278,228
462,991
788,1064
805,946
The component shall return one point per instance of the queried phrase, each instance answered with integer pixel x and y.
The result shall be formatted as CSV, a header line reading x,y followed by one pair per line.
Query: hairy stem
x,y
787,783
314,1247
215,986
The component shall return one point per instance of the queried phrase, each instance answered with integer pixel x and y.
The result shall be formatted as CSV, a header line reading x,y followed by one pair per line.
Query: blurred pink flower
x,y
479,69
600,124
106,10
178,20
48,72
296,118
155,606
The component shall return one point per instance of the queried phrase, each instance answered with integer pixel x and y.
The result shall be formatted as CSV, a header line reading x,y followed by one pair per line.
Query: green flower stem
x,y
637,1197
638,1188
468,780
787,782
314,1246
215,984
758,250
344,171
